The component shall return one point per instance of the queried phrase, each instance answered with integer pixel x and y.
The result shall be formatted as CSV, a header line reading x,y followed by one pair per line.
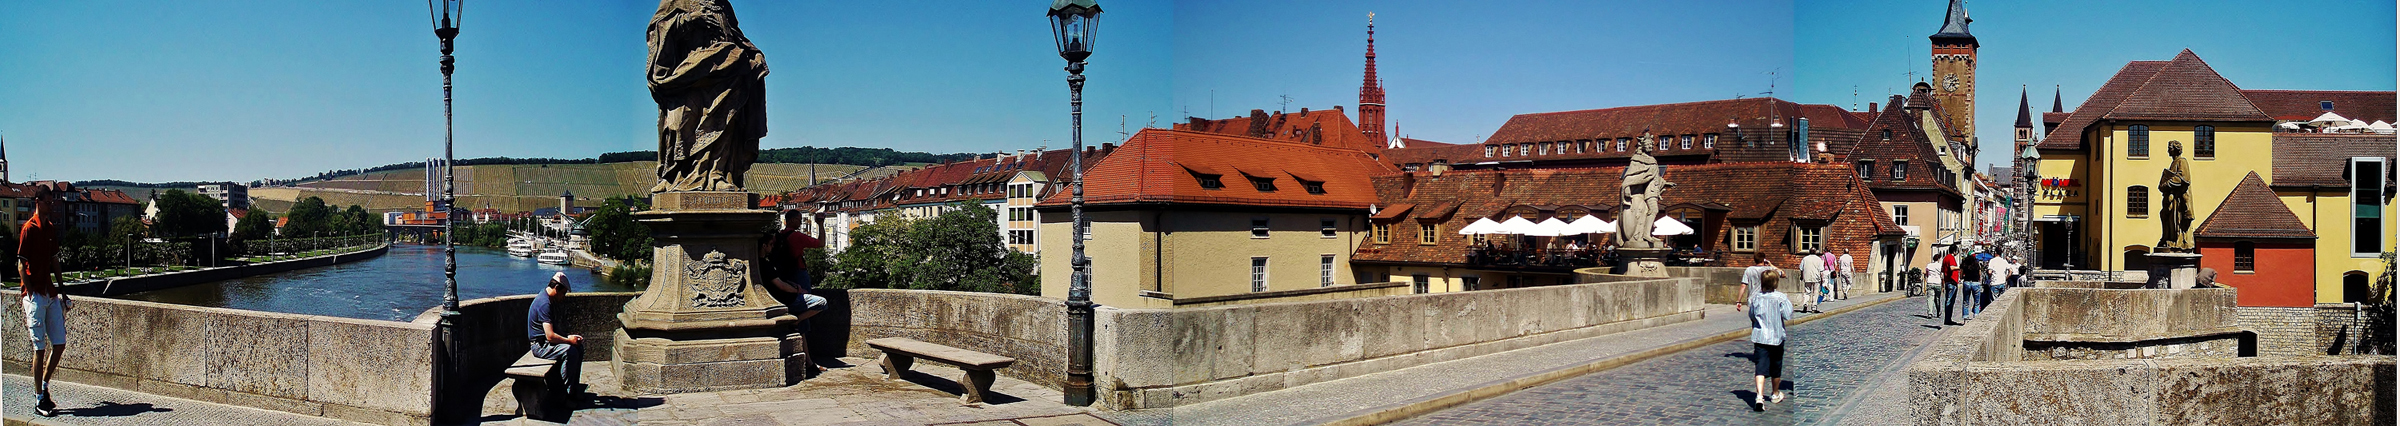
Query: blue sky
x,y
2074,46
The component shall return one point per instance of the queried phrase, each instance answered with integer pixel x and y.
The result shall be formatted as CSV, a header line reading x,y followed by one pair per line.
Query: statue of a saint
x,y
1639,194
710,84
2175,207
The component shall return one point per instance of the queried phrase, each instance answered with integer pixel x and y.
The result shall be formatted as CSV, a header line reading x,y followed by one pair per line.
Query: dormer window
x,y
2325,105
1687,142
1709,142
1620,144
1315,188
1210,182
1263,184
1887,134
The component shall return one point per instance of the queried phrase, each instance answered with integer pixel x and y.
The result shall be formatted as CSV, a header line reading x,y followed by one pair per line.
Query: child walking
x,y
1768,311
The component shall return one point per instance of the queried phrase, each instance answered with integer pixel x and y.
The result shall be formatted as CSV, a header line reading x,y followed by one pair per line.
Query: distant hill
x,y
520,187
864,157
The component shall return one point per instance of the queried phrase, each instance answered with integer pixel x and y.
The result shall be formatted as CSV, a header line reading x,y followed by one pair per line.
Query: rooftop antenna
x,y
1121,135
1286,103
1153,121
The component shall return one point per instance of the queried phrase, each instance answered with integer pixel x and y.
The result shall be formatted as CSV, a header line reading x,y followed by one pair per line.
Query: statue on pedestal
x,y
710,85
1639,194
2175,206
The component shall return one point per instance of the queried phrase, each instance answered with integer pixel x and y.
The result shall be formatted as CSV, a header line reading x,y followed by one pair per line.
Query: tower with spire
x,y
1954,69
1370,95
2024,121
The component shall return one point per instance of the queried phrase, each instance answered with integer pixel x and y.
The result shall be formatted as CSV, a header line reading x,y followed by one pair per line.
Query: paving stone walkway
x,y
92,405
1399,390
853,392
1845,369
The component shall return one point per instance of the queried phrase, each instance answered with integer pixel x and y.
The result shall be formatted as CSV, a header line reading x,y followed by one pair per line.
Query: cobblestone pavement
x,y
853,393
92,405
1844,369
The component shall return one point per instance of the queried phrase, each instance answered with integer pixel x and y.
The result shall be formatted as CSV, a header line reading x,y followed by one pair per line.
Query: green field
x,y
514,188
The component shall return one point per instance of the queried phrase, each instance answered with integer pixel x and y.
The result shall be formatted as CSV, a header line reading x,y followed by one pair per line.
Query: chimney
x,y
1303,110
1337,107
1870,108
1898,101
1106,147
1258,123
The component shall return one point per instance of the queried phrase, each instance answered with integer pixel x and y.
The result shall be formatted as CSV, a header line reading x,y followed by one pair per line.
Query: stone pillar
x,y
2174,270
1642,262
707,322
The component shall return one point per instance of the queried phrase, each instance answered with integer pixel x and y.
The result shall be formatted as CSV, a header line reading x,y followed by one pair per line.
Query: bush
x,y
630,274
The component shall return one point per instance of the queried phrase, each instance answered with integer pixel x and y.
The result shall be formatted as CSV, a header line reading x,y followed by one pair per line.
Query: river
x,y
397,286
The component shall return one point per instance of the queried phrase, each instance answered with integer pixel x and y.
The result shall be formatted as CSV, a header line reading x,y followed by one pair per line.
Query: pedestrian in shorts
x,y
44,306
1768,312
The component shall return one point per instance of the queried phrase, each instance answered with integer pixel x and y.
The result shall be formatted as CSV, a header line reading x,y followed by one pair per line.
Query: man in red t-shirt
x,y
792,245
45,308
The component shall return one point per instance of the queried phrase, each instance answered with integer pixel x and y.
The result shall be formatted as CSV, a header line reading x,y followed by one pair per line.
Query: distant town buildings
x,y
234,195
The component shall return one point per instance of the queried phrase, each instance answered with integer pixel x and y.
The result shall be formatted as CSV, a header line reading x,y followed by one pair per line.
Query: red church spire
x,y
1370,94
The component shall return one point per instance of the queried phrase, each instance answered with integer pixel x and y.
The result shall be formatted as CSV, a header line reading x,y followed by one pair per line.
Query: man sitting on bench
x,y
547,343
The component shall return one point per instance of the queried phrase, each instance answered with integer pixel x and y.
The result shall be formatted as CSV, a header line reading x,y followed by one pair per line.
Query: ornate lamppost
x,y
1076,23
446,15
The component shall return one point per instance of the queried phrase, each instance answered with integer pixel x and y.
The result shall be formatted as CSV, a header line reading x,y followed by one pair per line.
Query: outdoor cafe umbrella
x,y
1480,227
1515,225
1666,226
1551,227
2380,127
2329,120
1589,224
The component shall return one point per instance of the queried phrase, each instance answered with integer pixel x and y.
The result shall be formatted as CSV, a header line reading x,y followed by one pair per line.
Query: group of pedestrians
x,y
1965,283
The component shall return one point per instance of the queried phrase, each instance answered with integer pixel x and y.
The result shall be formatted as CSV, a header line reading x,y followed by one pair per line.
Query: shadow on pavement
x,y
953,387
114,409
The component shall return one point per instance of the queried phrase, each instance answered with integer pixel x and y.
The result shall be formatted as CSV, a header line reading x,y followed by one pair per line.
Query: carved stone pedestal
x,y
2174,270
1642,262
707,322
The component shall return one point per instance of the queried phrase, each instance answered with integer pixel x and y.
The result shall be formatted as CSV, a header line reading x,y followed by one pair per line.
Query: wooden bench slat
x,y
945,354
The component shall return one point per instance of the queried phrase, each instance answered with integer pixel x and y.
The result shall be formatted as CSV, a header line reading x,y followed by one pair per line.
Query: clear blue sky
x,y
2075,46
174,90
162,90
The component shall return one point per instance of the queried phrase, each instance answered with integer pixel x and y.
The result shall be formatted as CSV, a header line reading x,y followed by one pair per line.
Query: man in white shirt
x,y
1996,276
1842,290
1812,281
1752,278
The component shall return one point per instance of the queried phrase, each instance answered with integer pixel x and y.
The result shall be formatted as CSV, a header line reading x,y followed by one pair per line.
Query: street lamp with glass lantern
x,y
1076,24
446,15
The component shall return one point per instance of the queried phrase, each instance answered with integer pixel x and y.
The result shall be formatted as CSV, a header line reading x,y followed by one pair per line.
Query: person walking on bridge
x,y
1769,309
44,306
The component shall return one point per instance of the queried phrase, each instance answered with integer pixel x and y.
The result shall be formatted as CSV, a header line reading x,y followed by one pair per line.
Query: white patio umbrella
x,y
2329,120
1551,227
1589,224
2381,127
2293,125
1480,227
1666,226
1516,226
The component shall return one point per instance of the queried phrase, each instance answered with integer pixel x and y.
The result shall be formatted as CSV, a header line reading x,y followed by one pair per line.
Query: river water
x,y
397,286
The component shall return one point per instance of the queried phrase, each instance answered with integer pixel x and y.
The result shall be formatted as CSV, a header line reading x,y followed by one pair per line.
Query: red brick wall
x,y
2283,277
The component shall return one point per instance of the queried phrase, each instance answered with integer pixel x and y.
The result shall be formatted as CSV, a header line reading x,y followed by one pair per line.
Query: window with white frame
x,y
1745,238
1258,274
1900,215
1325,228
1709,142
1687,142
1258,227
1325,271
1811,239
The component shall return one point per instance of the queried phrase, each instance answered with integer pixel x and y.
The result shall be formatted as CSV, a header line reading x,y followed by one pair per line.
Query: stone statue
x,y
2175,207
1640,192
710,84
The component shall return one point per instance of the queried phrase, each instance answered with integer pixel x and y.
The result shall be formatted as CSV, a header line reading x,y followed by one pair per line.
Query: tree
x,y
615,234
184,214
258,225
361,222
309,217
959,250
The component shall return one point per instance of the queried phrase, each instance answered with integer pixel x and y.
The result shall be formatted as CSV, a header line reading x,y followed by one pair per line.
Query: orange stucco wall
x,y
2284,275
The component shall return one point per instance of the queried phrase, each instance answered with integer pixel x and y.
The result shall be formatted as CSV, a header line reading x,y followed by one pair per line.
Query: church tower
x,y
1370,94
2024,122
1954,69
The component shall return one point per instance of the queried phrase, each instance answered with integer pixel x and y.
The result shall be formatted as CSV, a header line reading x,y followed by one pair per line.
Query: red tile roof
x,y
2253,211
1160,166
1306,126
2069,135
2186,89
977,179
2318,159
2303,105
1909,142
1769,194
1666,119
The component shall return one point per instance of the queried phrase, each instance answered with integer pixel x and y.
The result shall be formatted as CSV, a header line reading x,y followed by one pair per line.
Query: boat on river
x,y
555,257
520,248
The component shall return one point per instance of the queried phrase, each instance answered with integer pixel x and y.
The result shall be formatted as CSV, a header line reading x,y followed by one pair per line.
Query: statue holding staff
x,y
710,85
1639,192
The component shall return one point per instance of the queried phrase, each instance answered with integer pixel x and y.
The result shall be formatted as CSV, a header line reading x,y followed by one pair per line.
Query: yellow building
x,y
2097,195
1192,216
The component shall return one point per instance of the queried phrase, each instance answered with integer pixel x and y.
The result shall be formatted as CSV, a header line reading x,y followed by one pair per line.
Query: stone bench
x,y
900,352
540,393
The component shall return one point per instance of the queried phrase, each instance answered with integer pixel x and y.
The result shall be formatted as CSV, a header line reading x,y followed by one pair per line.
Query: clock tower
x,y
1954,70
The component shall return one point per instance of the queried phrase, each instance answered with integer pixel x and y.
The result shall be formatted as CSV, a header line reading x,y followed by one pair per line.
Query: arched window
x,y
2204,142
2354,287
2137,141
2245,257
2137,201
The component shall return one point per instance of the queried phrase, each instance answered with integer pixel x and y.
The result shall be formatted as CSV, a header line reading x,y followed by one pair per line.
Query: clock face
x,y
1950,82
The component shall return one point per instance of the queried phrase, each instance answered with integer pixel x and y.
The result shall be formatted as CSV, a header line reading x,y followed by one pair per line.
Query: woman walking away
x,y
1768,311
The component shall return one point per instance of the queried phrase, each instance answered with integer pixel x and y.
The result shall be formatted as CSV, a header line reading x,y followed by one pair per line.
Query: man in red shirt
x,y
45,308
1950,265
790,254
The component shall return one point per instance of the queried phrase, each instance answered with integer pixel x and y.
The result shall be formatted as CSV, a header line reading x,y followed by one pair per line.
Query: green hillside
x,y
514,188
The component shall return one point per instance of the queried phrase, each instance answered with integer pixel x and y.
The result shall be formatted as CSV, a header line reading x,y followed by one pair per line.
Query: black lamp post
x,y
1076,23
446,15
